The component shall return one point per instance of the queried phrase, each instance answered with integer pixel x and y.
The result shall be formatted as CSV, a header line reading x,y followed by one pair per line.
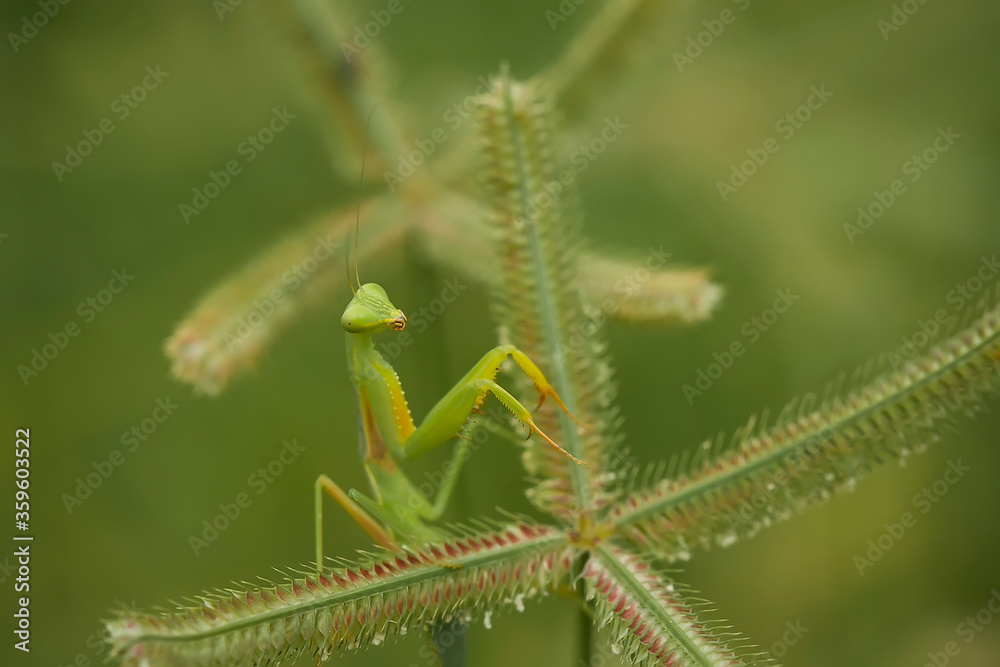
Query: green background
x,y
655,186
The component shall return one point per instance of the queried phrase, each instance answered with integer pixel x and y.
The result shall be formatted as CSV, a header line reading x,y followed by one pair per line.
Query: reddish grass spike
x,y
350,608
668,632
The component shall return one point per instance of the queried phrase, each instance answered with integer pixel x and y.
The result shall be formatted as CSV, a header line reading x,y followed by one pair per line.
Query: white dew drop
x,y
726,539
403,630
670,588
519,601
616,648
378,638
488,620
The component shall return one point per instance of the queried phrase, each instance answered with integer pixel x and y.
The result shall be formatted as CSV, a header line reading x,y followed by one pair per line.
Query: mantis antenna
x,y
357,216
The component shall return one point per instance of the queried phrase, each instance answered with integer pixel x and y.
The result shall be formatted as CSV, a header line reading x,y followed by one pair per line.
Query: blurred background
x,y
657,185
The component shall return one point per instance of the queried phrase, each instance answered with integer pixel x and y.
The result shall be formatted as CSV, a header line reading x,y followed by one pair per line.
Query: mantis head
x,y
370,311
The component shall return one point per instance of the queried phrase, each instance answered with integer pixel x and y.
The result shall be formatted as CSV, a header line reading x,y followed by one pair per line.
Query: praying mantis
x,y
388,434
386,430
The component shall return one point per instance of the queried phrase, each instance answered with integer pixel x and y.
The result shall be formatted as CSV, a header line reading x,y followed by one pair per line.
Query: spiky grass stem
x,y
547,308
652,622
810,453
353,606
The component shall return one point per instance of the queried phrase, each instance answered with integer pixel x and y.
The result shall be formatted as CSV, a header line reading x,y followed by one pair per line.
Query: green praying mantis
x,y
388,435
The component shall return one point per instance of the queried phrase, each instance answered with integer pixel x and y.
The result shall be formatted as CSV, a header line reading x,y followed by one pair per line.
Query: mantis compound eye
x,y
358,318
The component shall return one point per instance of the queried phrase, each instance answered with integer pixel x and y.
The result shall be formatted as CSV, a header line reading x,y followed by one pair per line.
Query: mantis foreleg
x,y
446,419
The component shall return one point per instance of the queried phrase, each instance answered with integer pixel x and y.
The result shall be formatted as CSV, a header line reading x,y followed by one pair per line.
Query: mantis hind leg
x,y
364,519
